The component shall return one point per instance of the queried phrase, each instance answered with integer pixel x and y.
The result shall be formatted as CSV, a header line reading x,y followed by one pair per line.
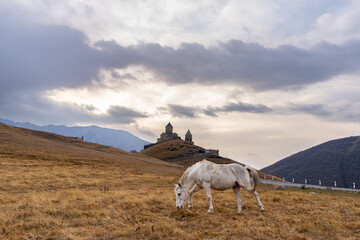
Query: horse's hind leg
x,y
258,201
238,198
209,197
191,193
250,189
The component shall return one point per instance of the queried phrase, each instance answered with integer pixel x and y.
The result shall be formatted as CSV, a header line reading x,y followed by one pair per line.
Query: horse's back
x,y
220,169
220,176
239,169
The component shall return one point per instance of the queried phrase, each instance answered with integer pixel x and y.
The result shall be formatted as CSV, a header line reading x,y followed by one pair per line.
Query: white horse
x,y
209,175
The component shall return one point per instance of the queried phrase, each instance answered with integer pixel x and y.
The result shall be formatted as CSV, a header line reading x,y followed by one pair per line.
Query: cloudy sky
x,y
258,79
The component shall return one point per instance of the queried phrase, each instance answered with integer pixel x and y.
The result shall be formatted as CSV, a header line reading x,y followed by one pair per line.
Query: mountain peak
x,y
336,160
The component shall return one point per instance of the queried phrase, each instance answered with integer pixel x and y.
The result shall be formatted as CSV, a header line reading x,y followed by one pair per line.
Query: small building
x,y
188,137
149,145
212,151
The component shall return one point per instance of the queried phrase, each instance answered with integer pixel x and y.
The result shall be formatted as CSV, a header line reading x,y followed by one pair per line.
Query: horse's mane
x,y
184,176
186,173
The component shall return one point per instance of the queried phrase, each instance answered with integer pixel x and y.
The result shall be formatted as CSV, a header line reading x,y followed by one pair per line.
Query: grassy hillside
x,y
181,152
21,143
58,188
116,138
337,160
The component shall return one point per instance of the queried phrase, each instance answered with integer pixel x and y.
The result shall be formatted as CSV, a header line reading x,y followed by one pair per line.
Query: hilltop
x,y
183,153
106,136
336,160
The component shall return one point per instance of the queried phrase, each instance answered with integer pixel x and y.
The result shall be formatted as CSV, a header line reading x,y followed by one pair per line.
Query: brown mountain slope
x,y
179,152
27,144
336,160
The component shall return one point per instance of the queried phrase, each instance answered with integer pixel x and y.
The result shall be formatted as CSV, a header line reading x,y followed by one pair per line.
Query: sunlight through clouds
x,y
137,88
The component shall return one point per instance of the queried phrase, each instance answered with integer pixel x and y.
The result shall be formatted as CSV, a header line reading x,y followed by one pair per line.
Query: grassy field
x,y
66,190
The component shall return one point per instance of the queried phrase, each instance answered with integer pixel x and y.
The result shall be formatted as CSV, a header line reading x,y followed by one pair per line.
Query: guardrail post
x,y
293,180
335,183
353,185
305,181
319,182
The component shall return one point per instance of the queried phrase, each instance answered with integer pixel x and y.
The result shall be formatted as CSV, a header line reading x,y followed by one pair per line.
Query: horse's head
x,y
181,195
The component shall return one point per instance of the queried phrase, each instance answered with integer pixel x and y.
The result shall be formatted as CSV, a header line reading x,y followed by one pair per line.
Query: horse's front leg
x,y
191,193
209,197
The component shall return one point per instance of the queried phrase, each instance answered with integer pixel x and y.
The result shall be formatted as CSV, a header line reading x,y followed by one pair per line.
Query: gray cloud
x,y
346,111
183,111
244,107
251,154
35,58
237,107
42,57
193,112
35,108
210,112
120,114
41,110
313,109
246,64
144,131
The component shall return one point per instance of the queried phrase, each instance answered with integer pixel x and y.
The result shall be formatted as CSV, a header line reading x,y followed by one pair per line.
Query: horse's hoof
x,y
210,210
190,207
262,210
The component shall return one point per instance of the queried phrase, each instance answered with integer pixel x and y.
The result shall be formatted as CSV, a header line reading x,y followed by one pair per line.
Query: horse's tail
x,y
253,173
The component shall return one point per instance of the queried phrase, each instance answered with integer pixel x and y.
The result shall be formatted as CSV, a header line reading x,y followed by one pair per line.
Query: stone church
x,y
169,134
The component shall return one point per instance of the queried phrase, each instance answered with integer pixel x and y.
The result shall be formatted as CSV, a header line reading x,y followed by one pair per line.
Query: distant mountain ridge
x,y
336,160
116,138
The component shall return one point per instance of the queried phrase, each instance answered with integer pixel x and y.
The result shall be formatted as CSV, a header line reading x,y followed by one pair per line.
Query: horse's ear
x,y
175,184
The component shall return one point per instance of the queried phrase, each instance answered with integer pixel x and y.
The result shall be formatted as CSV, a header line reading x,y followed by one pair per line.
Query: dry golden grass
x,y
36,145
42,199
48,193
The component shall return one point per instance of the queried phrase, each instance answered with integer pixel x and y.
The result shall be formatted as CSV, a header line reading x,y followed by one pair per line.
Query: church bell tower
x,y
169,129
188,137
